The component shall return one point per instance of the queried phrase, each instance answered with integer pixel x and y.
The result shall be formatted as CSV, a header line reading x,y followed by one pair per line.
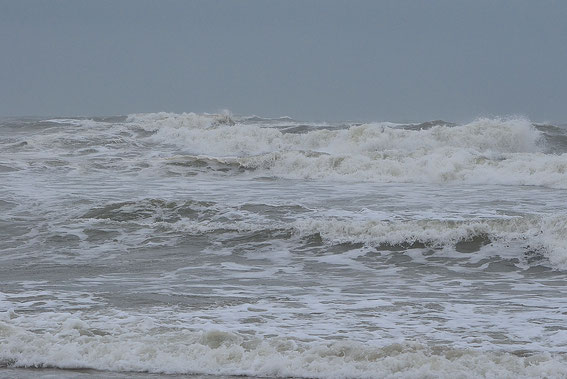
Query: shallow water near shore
x,y
43,373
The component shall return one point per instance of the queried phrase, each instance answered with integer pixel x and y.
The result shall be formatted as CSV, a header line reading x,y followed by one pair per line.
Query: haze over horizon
x,y
315,60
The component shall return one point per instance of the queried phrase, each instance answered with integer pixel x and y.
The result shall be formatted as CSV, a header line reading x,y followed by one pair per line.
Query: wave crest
x,y
485,151
74,343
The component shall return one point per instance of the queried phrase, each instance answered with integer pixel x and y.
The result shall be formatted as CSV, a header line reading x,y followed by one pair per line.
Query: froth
x,y
135,344
184,120
547,234
486,151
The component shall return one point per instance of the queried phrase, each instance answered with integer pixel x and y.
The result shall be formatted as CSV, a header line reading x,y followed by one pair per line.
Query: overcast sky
x,y
317,60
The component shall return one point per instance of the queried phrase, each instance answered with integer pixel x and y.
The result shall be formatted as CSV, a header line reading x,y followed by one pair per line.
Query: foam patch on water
x,y
140,344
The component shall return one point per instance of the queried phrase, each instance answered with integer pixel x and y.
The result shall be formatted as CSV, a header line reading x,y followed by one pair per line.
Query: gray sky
x,y
318,60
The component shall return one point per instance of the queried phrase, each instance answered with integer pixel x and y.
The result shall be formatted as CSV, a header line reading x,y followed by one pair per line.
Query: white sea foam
x,y
184,120
544,234
137,343
547,234
132,267
486,151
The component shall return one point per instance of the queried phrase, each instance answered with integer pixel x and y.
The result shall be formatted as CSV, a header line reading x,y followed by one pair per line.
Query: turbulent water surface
x,y
209,244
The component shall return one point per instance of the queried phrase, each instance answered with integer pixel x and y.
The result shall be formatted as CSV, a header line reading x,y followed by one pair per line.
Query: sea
x,y
220,246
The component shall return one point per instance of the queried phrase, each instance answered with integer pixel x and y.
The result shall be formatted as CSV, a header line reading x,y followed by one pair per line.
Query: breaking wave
x,y
485,151
139,344
546,235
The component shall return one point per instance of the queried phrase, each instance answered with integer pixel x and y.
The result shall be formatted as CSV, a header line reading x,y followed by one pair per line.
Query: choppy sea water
x,y
216,245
